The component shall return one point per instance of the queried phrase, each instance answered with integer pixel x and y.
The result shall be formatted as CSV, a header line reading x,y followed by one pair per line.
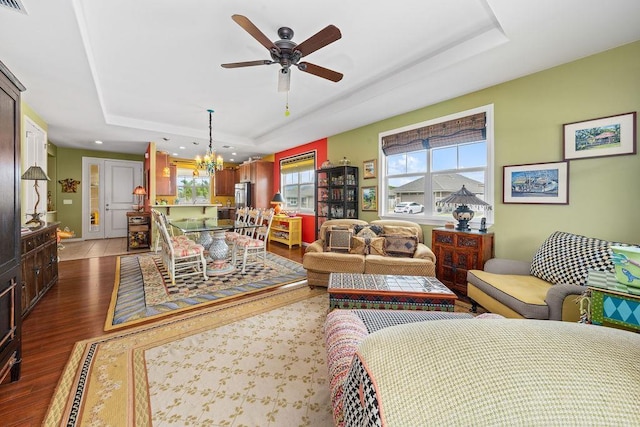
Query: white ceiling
x,y
127,72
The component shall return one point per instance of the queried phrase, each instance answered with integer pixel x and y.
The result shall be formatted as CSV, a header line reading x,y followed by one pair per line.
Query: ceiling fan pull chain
x,y
286,109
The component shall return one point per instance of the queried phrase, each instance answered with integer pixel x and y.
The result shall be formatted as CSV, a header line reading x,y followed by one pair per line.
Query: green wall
x,y
68,164
604,193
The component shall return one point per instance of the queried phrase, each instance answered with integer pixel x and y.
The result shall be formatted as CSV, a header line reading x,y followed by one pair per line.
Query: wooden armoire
x,y
10,281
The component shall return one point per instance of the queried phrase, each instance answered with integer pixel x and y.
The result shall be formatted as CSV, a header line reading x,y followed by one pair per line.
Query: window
x,y
426,162
297,176
193,189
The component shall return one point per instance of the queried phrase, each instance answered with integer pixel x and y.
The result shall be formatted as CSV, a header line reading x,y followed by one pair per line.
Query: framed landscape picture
x,y
542,183
606,136
369,200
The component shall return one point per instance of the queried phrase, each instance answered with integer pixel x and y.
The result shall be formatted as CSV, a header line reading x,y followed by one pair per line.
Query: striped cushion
x,y
249,243
187,250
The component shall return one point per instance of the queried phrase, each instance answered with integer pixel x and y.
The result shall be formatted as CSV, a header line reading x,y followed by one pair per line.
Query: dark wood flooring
x,y
74,309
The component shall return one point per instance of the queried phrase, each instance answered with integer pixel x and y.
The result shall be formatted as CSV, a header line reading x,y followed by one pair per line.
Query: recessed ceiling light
x,y
181,147
98,142
227,146
195,143
232,160
233,154
174,154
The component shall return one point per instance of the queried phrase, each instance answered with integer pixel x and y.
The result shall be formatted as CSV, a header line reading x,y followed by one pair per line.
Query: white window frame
x,y
426,217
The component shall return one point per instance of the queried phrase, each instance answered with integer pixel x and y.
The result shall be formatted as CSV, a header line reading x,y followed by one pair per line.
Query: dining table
x,y
211,236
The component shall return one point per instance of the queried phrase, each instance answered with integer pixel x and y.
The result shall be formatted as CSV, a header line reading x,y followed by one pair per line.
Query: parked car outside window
x,y
408,207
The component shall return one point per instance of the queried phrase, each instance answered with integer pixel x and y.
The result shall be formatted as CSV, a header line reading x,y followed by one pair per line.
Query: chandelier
x,y
211,163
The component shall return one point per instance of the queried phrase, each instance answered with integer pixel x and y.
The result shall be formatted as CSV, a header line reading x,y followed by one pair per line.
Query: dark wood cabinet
x,y
260,174
138,230
165,185
457,252
224,182
10,280
39,264
336,194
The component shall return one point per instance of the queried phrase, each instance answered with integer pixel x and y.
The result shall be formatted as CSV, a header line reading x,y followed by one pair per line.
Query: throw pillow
x,y
367,230
367,246
338,240
399,245
400,230
567,258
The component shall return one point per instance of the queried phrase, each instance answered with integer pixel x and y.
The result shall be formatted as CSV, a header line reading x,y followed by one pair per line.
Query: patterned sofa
x,y
546,288
378,247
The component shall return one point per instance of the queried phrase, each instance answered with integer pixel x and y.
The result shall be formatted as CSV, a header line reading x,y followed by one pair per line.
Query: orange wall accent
x,y
320,147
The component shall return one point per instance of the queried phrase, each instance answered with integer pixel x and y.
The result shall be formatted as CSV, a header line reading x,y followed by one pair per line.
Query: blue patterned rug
x,y
143,290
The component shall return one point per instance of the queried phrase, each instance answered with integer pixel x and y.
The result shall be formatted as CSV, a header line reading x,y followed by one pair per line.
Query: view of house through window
x,y
427,162
297,176
193,189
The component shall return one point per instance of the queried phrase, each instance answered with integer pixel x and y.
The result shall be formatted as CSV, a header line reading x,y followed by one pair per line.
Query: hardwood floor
x,y
73,310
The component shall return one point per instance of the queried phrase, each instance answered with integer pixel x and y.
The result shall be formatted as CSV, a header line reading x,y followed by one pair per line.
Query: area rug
x,y
259,361
143,290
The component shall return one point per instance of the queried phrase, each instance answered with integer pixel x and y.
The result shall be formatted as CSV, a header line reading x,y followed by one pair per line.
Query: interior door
x,y
107,196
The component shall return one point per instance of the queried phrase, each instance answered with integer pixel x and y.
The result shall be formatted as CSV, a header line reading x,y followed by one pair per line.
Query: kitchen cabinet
x,y
259,173
10,271
224,182
458,252
39,257
336,194
165,186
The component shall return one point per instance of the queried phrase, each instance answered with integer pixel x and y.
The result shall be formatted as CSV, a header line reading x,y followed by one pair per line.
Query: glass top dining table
x,y
211,236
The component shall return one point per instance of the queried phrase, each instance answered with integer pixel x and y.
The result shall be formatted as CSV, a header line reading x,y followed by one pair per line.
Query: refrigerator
x,y
243,194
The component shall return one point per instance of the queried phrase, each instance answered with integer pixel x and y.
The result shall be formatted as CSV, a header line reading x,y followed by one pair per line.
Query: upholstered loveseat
x,y
549,286
393,247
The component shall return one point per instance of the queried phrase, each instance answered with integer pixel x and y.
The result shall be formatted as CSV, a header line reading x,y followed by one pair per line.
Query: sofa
x,y
495,371
378,247
547,288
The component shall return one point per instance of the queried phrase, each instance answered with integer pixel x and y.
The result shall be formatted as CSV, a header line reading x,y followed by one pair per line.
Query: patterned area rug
x,y
143,290
258,361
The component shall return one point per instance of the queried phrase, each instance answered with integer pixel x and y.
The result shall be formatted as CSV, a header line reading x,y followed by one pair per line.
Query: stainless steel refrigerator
x,y
243,194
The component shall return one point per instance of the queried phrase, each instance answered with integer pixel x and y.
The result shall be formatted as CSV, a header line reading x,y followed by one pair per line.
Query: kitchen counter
x,y
184,206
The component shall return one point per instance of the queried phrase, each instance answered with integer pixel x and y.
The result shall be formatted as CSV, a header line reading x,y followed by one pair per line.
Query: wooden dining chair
x,y
255,246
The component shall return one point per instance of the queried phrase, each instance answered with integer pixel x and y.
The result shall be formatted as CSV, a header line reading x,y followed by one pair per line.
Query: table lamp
x,y
35,173
277,200
462,199
140,192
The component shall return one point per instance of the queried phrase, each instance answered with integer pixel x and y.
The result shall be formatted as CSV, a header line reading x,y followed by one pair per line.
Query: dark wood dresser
x,y
39,264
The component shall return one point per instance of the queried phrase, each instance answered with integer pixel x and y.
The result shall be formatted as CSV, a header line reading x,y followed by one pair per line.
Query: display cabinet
x,y
287,230
336,194
138,230
457,252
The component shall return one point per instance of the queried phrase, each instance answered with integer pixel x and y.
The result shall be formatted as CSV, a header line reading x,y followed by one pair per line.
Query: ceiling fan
x,y
287,53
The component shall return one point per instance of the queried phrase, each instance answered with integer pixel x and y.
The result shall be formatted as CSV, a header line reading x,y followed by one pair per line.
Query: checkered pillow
x,y
566,258
338,240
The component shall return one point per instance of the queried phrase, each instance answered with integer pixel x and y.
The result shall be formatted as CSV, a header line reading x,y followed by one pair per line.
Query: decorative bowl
x,y
626,260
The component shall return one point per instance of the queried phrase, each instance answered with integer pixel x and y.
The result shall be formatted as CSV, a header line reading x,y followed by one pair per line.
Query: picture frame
x,y
601,137
369,198
536,183
370,168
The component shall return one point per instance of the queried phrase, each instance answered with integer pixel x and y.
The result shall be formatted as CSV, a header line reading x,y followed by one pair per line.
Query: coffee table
x,y
378,291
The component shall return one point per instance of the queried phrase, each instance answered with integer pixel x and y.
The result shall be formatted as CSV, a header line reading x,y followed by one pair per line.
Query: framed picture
x,y
369,199
370,167
542,183
606,136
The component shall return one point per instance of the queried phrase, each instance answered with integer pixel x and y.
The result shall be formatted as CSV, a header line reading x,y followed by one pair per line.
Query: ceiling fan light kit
x,y
287,53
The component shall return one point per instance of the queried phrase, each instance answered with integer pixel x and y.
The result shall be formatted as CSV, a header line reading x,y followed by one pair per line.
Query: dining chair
x,y
255,246
181,256
240,219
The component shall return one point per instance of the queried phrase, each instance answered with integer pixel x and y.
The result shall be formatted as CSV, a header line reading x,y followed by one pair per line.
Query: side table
x,y
612,303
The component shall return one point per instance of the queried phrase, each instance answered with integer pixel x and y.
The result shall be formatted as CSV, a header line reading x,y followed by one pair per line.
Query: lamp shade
x,y
139,191
277,198
35,173
462,197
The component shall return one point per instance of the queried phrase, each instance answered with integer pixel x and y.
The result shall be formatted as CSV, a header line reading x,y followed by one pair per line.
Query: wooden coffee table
x,y
377,291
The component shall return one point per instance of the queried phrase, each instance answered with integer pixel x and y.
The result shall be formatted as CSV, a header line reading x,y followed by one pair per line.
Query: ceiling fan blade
x,y
319,71
248,26
319,40
247,63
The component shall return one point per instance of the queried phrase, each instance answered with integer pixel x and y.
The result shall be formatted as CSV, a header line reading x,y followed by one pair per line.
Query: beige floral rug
x,y
143,290
259,361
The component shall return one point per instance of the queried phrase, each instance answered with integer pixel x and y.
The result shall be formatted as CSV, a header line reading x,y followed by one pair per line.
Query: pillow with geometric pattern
x,y
567,258
367,230
400,245
338,240
367,245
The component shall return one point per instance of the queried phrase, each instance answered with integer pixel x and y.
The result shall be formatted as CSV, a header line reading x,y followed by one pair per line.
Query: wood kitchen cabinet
x,y
457,252
39,264
165,186
224,182
260,174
